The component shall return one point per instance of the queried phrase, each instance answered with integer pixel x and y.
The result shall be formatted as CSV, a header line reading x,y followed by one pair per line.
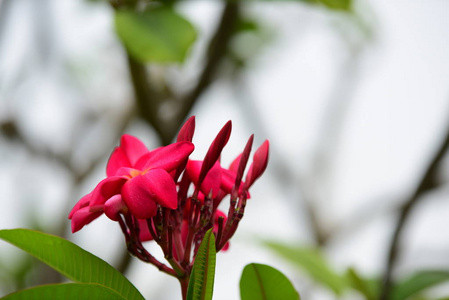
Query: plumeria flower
x,y
163,196
137,182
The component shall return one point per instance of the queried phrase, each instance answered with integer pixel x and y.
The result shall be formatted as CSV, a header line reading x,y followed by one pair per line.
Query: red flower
x,y
163,196
137,181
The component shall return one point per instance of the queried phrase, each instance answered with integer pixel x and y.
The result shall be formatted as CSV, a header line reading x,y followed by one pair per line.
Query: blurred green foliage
x,y
158,35
312,262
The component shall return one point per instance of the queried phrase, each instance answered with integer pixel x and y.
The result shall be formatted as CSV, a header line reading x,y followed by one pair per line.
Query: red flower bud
x,y
259,164
214,151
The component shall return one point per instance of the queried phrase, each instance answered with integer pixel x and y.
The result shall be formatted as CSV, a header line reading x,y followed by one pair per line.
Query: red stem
x,y
220,232
151,229
184,286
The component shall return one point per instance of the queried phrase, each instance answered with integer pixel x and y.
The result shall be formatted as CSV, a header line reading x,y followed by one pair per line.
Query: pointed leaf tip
x,y
201,282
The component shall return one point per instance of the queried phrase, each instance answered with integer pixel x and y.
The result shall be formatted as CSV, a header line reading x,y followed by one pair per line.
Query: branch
x,y
218,48
148,101
10,130
5,9
427,182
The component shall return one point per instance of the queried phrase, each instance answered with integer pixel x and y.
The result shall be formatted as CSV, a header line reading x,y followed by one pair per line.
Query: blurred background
x,y
353,96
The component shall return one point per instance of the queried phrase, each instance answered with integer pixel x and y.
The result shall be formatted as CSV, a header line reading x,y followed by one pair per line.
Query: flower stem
x,y
184,286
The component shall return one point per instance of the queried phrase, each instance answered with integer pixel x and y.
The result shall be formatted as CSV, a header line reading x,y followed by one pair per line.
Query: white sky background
x,y
396,114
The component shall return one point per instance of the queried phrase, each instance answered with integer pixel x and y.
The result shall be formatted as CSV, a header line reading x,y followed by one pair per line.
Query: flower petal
x,y
138,199
227,180
83,217
234,166
163,188
116,161
144,233
83,202
126,172
167,158
133,148
107,188
193,169
212,182
142,192
113,206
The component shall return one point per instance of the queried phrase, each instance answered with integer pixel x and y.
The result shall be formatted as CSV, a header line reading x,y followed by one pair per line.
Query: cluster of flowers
x,y
164,196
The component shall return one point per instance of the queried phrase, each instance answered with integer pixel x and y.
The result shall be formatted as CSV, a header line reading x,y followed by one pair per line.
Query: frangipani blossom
x,y
138,180
163,196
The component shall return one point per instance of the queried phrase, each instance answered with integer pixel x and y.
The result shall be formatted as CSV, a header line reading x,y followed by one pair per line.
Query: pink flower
x,y
163,196
137,182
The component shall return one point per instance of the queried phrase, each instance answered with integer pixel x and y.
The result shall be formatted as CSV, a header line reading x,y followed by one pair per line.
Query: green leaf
x,y
67,291
344,5
155,35
417,283
70,260
338,5
201,284
262,282
368,288
311,261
